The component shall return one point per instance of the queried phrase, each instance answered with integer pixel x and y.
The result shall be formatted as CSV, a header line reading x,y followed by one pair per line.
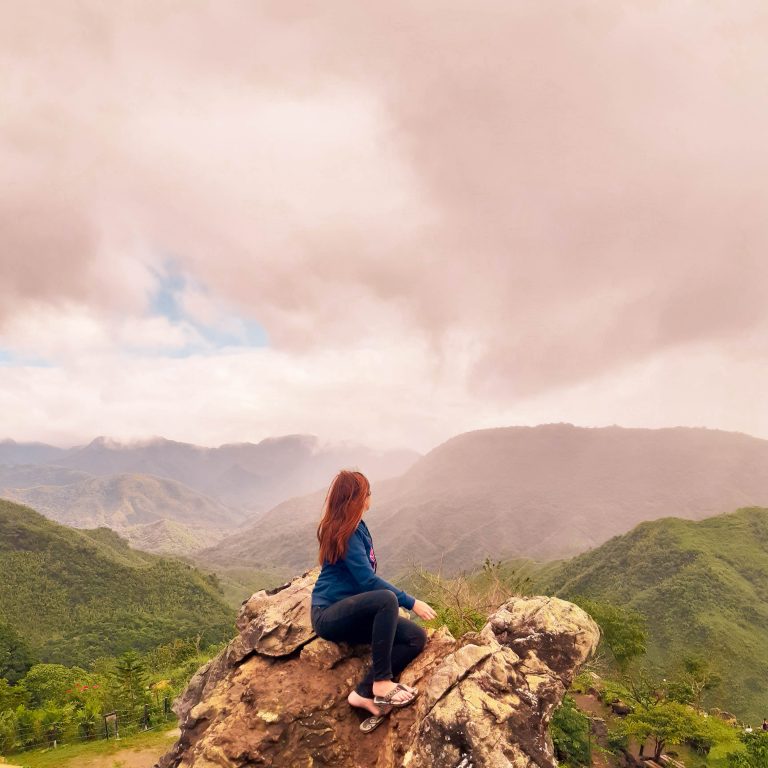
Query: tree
x,y
7,730
52,684
672,723
129,680
696,678
15,655
169,655
10,696
667,722
644,689
623,630
658,716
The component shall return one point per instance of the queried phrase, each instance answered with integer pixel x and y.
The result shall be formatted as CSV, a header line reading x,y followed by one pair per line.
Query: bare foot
x,y
356,700
383,687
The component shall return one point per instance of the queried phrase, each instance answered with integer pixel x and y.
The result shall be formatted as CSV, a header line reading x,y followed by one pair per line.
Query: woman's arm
x,y
362,572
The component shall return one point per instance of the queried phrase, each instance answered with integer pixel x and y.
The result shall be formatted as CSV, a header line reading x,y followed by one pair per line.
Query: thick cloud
x,y
527,198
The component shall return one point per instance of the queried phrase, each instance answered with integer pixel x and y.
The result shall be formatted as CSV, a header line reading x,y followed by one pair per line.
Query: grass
x,y
74,755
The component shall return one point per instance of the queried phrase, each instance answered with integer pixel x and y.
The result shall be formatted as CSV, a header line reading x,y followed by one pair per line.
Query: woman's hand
x,y
423,611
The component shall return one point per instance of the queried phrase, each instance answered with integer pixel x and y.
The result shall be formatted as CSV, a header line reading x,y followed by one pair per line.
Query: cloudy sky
x,y
381,222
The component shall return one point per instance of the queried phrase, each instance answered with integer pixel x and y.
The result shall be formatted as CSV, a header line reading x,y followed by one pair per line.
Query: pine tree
x,y
129,681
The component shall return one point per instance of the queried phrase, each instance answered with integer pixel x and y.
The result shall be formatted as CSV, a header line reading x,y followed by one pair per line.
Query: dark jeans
x,y
372,617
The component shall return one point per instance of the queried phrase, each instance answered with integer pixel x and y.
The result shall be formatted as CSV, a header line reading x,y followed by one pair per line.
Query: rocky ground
x,y
276,696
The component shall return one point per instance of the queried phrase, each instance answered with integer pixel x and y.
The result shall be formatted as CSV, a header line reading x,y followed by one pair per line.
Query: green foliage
x,y
89,717
712,732
667,722
44,725
755,754
457,619
583,682
699,585
15,655
171,654
7,730
52,684
617,739
656,715
10,696
463,603
67,704
76,595
622,630
614,690
644,690
569,729
128,683
696,676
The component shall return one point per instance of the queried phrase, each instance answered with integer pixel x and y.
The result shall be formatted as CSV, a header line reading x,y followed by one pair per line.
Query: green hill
x,y
75,595
703,588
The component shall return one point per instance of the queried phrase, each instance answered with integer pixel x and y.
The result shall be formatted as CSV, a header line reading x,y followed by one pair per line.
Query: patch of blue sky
x,y
165,301
248,334
9,359
232,330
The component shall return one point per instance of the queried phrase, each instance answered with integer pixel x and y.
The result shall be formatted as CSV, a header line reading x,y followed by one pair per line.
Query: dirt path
x,y
593,706
141,757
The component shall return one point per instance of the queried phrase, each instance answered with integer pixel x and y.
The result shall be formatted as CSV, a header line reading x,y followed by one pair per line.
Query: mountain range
x,y
172,497
544,493
697,572
154,513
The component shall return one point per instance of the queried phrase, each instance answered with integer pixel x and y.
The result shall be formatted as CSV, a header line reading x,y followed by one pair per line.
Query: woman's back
x,y
353,573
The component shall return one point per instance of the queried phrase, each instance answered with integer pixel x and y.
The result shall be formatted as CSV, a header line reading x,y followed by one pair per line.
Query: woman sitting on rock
x,y
351,603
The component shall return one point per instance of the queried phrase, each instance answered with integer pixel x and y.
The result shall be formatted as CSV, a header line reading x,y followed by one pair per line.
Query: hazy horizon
x,y
321,443
386,225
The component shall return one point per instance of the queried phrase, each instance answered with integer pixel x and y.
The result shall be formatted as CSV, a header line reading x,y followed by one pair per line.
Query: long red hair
x,y
342,511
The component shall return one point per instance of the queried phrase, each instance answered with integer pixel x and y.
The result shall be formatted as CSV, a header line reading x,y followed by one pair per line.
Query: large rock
x,y
276,696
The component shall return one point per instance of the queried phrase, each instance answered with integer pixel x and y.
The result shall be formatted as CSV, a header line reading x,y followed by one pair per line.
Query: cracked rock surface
x,y
276,695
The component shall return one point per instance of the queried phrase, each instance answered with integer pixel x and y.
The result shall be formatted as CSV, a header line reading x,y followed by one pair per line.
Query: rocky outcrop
x,y
276,696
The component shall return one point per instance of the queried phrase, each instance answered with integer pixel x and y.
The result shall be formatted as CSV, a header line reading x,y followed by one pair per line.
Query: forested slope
x,y
703,588
74,595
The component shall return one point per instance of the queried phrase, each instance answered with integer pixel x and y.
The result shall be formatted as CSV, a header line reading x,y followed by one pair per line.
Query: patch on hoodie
x,y
372,556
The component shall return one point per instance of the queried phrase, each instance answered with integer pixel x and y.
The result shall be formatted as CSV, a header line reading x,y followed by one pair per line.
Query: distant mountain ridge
x,y
703,588
77,595
142,508
544,493
252,477
165,484
12,452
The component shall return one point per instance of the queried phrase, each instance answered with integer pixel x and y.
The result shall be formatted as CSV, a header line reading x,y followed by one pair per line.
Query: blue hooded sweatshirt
x,y
354,573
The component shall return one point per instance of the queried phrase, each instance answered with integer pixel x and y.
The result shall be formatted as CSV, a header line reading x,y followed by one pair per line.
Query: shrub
x,y
617,740
570,734
463,603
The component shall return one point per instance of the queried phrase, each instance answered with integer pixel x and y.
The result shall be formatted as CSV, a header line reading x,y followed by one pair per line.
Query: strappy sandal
x,y
387,699
374,721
